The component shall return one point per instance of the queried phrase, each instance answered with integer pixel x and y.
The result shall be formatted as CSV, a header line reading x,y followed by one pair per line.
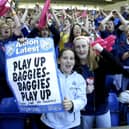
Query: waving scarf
x,y
106,43
43,17
4,7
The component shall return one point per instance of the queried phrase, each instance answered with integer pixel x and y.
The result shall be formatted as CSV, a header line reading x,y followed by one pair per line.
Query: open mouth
x,y
68,66
6,32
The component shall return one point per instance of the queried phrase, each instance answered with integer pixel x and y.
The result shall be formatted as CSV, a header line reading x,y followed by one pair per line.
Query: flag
x,y
43,17
106,43
3,2
84,13
4,7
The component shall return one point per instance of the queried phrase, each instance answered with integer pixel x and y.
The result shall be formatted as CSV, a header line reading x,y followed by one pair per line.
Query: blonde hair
x,y
82,38
92,57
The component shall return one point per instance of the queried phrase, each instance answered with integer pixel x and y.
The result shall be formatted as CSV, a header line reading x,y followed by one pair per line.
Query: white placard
x,y
32,75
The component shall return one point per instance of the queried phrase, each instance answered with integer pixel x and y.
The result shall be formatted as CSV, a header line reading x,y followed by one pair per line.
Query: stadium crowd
x,y
94,43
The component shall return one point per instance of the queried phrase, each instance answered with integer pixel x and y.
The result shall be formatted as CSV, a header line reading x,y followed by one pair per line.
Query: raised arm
x,y
24,15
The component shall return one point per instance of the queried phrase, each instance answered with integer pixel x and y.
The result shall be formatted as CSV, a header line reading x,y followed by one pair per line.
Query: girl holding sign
x,y
73,88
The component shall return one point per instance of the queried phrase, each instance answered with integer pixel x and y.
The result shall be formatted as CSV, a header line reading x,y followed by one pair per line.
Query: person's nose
x,y
68,60
81,49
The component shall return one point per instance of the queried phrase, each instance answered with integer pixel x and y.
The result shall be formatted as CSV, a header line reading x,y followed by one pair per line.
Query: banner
x,y
31,69
4,7
3,2
44,13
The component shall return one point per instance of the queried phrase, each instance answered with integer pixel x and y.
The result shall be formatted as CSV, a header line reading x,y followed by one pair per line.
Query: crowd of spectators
x,y
64,26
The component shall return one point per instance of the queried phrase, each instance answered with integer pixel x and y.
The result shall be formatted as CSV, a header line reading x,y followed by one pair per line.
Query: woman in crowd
x,y
94,68
7,33
76,30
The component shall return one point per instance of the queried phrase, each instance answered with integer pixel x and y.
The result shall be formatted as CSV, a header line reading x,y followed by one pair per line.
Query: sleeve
x,y
55,33
114,62
33,33
81,100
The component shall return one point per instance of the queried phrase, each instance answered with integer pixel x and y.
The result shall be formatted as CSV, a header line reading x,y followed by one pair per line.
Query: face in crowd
x,y
66,25
66,22
5,31
77,30
110,26
81,47
66,61
10,22
45,32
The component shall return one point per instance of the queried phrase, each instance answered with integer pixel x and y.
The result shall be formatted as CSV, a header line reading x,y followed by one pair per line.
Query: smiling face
x,y
5,31
67,61
110,26
10,22
77,30
81,47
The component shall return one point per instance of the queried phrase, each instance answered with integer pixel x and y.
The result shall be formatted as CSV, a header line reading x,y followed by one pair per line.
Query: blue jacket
x,y
4,88
123,47
5,91
74,88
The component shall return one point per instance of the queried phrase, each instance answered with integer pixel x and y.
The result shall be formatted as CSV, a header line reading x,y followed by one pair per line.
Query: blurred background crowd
x,y
20,19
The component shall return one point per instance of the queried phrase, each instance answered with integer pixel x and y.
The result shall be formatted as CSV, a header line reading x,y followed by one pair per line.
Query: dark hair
x,y
77,66
9,18
63,50
71,37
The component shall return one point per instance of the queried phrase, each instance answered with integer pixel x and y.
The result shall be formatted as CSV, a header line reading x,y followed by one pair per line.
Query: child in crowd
x,y
73,89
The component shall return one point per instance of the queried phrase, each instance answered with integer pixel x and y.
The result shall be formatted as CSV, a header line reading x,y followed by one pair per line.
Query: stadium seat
x,y
11,118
